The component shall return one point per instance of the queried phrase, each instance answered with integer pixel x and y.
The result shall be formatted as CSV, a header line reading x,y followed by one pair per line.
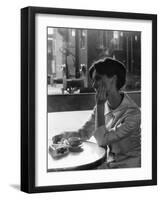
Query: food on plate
x,y
58,150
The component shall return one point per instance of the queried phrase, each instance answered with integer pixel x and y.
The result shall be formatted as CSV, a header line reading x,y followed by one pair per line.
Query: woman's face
x,y
103,81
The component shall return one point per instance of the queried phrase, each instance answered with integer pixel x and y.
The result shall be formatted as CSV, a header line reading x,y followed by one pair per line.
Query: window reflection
x,y
70,53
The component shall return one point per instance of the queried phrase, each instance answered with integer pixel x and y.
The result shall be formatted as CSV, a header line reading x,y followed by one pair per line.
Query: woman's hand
x,y
58,138
100,100
101,94
65,135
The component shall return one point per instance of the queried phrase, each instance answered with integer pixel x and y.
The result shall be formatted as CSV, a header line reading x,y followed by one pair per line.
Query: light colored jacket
x,y
122,130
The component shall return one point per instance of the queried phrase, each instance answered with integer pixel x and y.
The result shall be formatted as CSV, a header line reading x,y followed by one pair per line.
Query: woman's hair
x,y
110,67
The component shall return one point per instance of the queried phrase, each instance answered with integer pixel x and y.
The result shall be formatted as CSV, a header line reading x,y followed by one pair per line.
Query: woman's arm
x,y
130,124
85,132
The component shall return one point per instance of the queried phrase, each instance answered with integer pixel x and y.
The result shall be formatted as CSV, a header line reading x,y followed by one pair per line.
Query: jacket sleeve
x,y
130,124
88,128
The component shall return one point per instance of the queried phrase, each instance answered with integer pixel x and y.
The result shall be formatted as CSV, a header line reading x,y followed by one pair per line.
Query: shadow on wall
x,y
73,102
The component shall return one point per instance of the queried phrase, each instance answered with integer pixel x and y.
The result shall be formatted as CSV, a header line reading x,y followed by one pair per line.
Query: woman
x,y
116,118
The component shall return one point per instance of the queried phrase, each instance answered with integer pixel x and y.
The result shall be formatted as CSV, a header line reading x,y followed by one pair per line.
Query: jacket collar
x,y
126,102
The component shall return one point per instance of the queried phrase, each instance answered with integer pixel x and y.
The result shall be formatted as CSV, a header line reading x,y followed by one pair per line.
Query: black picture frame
x,y
28,98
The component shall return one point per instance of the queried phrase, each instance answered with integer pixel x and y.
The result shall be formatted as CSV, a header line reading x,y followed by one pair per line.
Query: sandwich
x,y
58,150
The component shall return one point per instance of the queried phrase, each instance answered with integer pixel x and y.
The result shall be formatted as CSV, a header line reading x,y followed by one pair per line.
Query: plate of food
x,y
58,150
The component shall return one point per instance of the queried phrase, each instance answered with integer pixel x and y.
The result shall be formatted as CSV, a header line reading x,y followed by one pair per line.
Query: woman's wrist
x,y
100,103
100,115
